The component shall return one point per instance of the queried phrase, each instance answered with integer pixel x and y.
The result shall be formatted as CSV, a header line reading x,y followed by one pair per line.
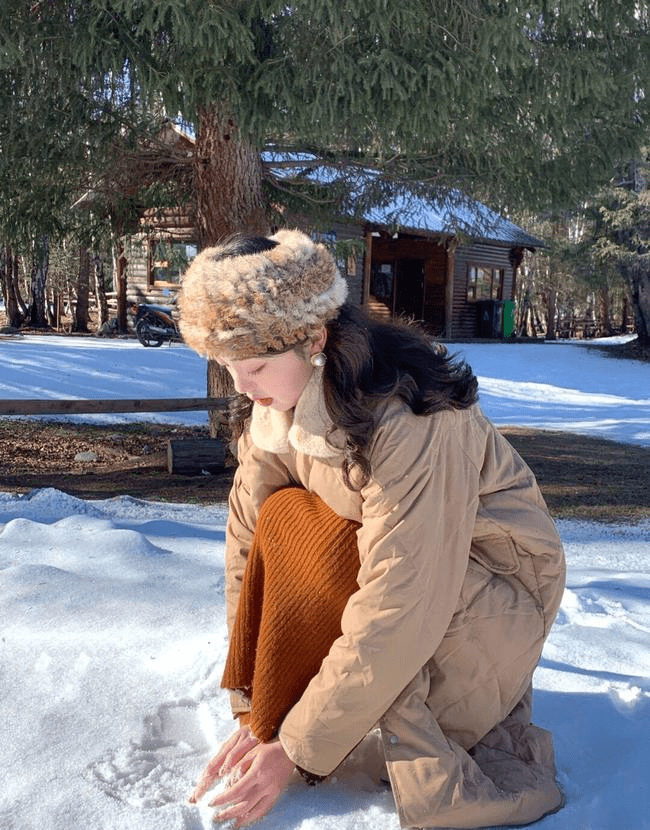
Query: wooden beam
x,y
516,257
450,280
367,272
32,406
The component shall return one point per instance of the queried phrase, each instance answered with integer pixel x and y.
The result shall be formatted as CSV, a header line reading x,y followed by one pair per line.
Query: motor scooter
x,y
154,324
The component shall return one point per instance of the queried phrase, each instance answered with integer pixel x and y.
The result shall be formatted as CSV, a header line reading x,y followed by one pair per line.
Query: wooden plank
x,y
195,456
31,406
367,271
450,274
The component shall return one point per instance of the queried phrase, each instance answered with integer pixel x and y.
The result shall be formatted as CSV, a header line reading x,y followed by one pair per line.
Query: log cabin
x,y
448,261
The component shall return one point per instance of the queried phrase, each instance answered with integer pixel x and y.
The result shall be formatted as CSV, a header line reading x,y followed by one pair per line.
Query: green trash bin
x,y
509,318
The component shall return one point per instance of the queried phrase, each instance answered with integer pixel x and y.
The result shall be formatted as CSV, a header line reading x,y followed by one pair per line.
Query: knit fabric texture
x,y
300,573
248,305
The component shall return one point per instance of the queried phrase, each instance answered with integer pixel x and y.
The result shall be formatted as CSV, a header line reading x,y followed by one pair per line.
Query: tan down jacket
x,y
461,575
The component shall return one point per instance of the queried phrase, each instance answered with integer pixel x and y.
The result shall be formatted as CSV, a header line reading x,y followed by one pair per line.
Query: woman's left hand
x,y
257,779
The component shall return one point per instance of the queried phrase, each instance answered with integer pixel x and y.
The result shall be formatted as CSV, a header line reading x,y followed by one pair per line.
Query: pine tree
x,y
525,100
621,237
519,103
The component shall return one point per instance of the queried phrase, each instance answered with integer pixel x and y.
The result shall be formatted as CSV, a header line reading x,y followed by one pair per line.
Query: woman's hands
x,y
258,774
232,751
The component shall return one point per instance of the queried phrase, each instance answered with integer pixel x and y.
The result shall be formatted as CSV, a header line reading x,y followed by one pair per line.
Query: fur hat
x,y
246,305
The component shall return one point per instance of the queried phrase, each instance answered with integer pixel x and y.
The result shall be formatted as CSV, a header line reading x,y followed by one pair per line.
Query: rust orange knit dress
x,y
301,570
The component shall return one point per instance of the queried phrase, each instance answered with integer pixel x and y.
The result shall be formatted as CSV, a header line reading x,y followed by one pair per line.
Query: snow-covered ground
x,y
565,386
112,619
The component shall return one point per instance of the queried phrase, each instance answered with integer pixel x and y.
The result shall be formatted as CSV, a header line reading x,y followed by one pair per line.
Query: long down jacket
x,y
461,575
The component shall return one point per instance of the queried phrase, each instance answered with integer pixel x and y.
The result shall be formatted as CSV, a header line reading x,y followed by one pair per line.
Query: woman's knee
x,y
484,664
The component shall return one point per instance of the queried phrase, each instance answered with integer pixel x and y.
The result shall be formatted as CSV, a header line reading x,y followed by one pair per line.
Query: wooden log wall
x,y
464,320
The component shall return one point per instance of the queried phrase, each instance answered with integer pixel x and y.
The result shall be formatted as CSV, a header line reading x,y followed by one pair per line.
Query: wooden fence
x,y
189,456
31,406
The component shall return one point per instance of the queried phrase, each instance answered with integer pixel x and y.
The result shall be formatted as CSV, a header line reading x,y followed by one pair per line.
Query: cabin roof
x,y
403,205
452,214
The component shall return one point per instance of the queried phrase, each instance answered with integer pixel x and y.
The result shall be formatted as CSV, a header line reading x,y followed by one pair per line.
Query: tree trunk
x,y
83,286
604,327
40,266
16,307
4,270
625,313
120,287
100,291
227,181
229,199
638,278
54,309
523,313
8,278
551,314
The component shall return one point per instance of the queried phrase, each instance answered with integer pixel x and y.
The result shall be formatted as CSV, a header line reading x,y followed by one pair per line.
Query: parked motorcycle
x,y
154,324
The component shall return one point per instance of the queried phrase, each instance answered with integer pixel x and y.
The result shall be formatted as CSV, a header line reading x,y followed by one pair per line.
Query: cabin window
x,y
167,261
484,283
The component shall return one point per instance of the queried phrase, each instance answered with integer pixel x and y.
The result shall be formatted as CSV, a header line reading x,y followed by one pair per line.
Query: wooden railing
x,y
188,456
31,406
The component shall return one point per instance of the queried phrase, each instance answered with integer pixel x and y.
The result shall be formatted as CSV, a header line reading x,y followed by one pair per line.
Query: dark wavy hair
x,y
370,361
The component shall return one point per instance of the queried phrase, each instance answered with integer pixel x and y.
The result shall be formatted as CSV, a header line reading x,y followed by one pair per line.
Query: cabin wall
x,y
349,243
138,289
464,323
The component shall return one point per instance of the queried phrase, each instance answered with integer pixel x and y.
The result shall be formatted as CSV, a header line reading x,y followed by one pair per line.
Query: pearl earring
x,y
318,359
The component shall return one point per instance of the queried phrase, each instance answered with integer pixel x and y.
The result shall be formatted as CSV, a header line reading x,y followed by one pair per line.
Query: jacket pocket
x,y
496,553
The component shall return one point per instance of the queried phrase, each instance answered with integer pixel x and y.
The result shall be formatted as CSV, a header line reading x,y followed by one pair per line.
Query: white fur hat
x,y
246,305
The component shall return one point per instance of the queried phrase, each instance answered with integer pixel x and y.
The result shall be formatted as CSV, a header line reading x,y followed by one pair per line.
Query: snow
x,y
60,367
401,204
113,633
563,386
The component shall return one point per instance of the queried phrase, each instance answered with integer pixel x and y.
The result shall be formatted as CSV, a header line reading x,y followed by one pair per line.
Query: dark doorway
x,y
409,278
409,288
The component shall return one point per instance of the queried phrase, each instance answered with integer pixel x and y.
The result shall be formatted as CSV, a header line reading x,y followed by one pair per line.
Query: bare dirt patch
x,y
124,459
587,478
580,477
632,350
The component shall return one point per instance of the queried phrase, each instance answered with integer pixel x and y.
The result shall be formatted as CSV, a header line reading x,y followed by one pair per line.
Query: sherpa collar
x,y
304,429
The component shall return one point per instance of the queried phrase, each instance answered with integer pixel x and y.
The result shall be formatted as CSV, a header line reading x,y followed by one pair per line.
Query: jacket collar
x,y
303,429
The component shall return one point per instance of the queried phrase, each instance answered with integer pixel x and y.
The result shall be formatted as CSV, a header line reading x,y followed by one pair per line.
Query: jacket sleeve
x,y
418,517
259,473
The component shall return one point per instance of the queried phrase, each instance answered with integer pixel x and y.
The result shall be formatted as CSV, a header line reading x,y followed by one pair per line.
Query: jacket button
x,y
394,739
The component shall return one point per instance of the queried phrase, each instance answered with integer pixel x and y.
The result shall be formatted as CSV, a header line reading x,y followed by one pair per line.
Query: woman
x,y
390,559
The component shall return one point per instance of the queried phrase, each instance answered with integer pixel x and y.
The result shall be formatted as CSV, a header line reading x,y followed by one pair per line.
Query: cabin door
x,y
409,288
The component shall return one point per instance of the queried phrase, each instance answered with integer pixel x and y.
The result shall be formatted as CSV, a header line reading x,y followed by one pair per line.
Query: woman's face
x,y
276,381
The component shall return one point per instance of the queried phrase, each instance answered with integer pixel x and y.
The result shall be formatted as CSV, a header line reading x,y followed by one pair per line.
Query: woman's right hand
x,y
231,752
